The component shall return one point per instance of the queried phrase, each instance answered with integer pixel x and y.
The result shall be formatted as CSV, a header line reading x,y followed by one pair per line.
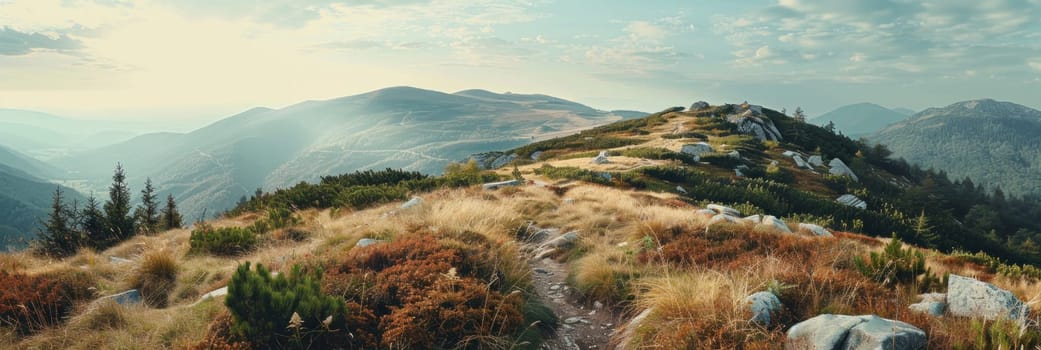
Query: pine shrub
x,y
225,241
284,312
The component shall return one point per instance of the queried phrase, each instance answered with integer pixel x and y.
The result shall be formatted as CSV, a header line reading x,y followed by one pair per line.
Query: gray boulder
x,y
365,242
601,158
753,219
790,153
680,189
852,201
497,185
722,218
535,155
562,241
815,161
130,297
816,230
932,308
412,203
697,106
696,149
839,168
799,162
723,210
222,291
969,297
841,332
775,223
762,305
734,154
754,123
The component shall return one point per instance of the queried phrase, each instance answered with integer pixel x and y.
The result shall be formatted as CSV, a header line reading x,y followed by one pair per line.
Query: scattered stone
x,y
542,271
117,260
572,320
601,158
496,185
722,218
543,234
815,229
697,106
535,155
932,308
734,154
738,173
623,244
680,189
969,297
799,162
762,305
365,242
598,305
696,149
816,161
839,168
775,223
723,210
412,202
222,291
554,287
130,297
865,332
790,153
852,201
564,240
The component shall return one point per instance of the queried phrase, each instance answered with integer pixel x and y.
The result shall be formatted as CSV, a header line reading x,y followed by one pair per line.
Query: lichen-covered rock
x,y
601,158
969,297
762,305
815,229
696,149
841,332
497,185
815,161
852,201
775,223
723,209
754,123
839,168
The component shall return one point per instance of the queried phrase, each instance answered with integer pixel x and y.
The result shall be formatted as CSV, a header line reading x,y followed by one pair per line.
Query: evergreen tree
x,y
924,232
147,213
92,224
171,218
799,115
59,236
117,209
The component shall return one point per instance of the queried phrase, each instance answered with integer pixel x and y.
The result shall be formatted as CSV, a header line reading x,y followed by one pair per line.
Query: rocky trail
x,y
583,324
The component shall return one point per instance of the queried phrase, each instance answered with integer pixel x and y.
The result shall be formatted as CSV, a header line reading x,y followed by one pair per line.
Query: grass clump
x,y
156,277
30,303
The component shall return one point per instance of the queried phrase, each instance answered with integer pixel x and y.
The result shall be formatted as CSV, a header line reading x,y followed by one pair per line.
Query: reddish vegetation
x,y
30,303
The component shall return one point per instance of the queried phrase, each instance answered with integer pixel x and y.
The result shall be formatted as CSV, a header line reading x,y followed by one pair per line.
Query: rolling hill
x,y
991,142
860,119
24,198
401,127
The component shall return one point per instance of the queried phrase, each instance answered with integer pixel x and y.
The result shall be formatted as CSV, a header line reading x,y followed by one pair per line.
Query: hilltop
x,y
721,226
860,119
210,169
970,140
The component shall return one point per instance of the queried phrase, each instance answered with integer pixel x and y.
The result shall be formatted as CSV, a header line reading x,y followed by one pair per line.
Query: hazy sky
x,y
209,59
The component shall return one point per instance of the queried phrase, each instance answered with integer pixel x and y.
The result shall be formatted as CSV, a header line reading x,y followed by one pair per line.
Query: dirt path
x,y
581,326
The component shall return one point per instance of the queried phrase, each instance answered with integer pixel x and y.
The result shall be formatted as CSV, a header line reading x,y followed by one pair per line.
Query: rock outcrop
x,y
601,158
751,121
493,160
816,230
722,218
839,168
934,304
697,106
969,297
841,332
852,201
723,209
815,161
497,185
775,223
762,305
696,149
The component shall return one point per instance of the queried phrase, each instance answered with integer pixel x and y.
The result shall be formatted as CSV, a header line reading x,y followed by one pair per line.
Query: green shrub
x,y
284,312
224,241
895,265
574,173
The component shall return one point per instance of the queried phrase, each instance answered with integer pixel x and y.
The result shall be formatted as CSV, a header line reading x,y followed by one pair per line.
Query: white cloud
x,y
1035,64
643,30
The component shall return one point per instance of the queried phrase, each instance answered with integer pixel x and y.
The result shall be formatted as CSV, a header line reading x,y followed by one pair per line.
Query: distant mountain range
x,y
24,197
401,127
991,142
861,119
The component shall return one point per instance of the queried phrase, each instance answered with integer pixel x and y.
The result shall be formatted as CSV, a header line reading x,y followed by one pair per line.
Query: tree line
x,y
99,226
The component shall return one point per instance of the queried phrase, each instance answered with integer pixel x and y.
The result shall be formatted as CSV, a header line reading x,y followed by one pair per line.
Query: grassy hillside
x,y
609,254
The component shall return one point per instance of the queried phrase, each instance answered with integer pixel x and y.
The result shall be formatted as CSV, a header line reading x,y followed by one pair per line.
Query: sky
x,y
203,60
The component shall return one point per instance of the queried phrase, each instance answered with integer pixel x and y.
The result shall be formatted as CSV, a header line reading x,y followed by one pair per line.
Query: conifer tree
x,y
92,224
171,218
59,236
117,209
147,214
